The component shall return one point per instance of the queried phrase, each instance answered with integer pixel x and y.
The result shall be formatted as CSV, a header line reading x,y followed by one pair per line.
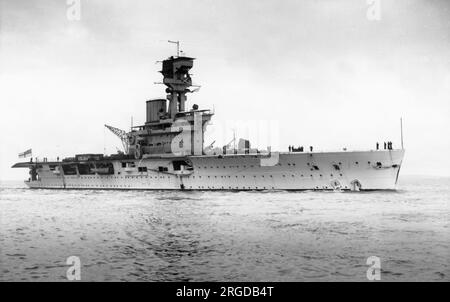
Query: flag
x,y
25,153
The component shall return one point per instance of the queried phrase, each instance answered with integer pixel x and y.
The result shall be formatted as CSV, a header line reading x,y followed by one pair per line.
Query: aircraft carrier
x,y
168,152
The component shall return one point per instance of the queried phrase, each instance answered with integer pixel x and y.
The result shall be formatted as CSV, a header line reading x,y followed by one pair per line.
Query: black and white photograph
x,y
261,142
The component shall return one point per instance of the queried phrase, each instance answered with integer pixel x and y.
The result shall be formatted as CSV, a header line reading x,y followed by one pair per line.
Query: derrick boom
x,y
120,134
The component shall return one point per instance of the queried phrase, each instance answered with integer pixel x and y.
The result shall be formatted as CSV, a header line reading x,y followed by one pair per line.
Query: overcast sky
x,y
321,71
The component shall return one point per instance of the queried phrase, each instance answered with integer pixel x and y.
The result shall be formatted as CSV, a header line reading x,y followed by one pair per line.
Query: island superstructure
x,y
168,152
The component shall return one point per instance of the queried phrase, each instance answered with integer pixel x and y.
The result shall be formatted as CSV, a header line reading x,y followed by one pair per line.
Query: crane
x,y
122,135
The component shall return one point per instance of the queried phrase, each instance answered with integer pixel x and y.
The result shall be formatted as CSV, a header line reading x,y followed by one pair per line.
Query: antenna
x,y
234,139
104,141
178,46
401,131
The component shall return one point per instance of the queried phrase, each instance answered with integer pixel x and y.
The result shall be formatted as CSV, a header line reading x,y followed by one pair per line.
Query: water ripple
x,y
226,236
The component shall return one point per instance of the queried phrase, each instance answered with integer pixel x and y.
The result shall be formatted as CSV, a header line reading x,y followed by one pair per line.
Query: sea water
x,y
226,236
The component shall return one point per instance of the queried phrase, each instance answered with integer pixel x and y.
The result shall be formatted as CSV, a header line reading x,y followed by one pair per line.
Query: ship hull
x,y
359,170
